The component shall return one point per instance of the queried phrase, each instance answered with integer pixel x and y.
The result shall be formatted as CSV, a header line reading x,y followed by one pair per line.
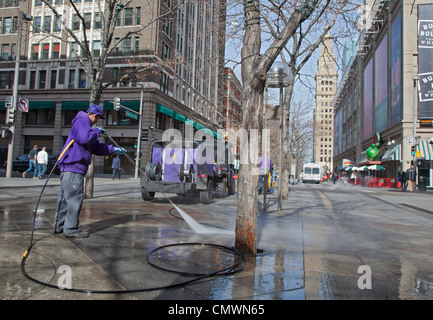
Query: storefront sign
x,y
425,63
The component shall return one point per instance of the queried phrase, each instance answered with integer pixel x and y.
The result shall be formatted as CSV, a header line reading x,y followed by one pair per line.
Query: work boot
x,y
80,234
24,174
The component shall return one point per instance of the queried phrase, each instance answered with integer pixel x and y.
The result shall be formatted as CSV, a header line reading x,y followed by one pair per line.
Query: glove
x,y
119,150
101,130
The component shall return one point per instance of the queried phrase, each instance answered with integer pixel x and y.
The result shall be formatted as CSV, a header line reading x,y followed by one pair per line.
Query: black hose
x,y
236,267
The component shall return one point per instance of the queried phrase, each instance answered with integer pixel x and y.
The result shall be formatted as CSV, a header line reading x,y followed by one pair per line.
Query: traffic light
x,y
10,115
413,150
116,103
135,143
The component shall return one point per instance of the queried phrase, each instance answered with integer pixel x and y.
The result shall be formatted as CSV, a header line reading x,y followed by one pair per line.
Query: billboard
x,y
425,62
381,85
395,55
368,100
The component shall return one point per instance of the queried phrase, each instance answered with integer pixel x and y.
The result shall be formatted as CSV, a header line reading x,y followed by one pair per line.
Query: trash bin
x,y
421,184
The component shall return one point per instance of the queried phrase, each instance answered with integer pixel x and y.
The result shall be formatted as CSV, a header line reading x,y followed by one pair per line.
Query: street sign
x,y
8,102
131,115
409,140
23,104
144,135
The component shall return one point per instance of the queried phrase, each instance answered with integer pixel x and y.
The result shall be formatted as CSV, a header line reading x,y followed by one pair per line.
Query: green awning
x,y
74,105
162,109
131,104
179,117
41,105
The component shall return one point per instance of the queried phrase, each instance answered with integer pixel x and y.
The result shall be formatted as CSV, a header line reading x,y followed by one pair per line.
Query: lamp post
x,y
140,124
21,18
279,76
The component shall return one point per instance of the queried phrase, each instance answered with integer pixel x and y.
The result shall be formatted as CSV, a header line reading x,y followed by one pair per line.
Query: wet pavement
x,y
329,242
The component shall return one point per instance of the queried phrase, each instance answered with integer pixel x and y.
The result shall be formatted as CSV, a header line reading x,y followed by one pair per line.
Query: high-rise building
x,y
176,64
326,86
383,103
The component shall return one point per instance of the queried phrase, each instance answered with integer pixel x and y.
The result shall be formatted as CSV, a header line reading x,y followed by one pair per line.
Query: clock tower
x,y
326,87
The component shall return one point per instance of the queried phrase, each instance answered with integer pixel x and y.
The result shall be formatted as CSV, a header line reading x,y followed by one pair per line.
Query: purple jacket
x,y
79,155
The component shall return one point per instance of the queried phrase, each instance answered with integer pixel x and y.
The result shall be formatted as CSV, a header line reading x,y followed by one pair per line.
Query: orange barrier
x,y
384,183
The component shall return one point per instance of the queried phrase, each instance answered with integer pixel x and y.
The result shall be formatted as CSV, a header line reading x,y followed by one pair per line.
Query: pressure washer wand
x,y
128,157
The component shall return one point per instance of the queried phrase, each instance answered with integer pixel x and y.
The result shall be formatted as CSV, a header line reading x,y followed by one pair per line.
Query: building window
x,y
47,23
87,20
5,51
82,79
160,121
71,82
75,22
32,79
127,17
56,50
126,47
42,117
74,47
7,25
35,52
96,48
164,83
136,45
97,24
138,16
53,79
45,51
57,26
42,79
37,21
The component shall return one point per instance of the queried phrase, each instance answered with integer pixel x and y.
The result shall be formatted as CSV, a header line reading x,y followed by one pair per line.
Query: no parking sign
x,y
23,104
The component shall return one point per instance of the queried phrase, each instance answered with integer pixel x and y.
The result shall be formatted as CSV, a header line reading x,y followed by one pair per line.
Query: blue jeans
x,y
42,168
32,166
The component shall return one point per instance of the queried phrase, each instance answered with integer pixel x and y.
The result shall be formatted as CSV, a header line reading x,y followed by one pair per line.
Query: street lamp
x,y
279,76
21,18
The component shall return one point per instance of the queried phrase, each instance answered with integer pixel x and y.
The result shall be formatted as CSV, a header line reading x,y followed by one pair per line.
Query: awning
x,y
426,149
41,105
393,153
162,109
75,105
179,117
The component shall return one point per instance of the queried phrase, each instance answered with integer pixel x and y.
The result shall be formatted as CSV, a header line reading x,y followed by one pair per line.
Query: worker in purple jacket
x,y
73,167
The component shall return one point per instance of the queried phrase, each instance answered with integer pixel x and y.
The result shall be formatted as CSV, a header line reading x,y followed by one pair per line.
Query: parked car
x,y
21,163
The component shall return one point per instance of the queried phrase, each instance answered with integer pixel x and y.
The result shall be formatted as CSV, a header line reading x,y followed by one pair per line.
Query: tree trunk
x,y
247,204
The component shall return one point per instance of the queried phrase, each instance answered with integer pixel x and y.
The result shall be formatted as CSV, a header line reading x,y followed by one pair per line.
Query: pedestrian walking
x,y
334,177
411,177
42,160
115,165
403,181
77,153
32,162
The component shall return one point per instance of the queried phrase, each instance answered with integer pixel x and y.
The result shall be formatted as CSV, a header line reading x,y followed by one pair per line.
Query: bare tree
x,y
254,68
285,23
75,34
